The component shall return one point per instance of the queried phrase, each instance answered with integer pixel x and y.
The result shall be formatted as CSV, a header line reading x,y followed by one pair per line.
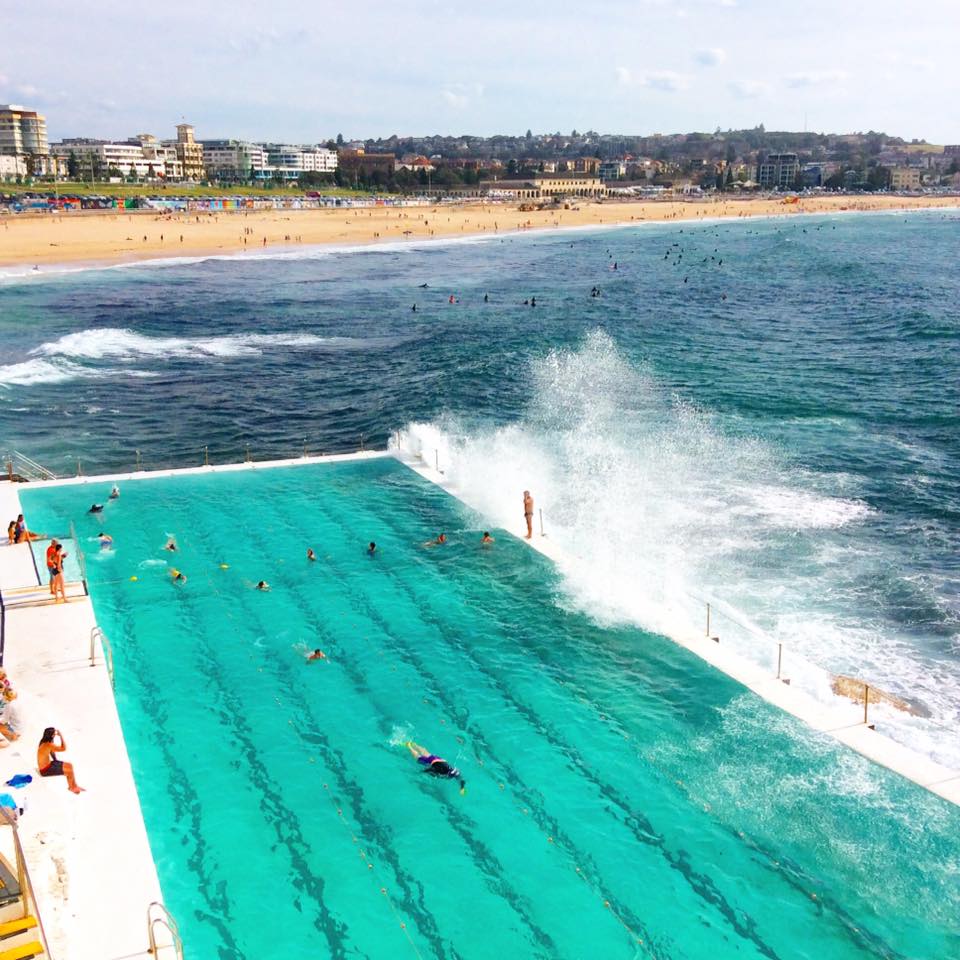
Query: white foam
x,y
658,510
115,343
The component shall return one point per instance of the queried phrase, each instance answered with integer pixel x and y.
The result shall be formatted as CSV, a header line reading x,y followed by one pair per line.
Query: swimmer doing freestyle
x,y
436,766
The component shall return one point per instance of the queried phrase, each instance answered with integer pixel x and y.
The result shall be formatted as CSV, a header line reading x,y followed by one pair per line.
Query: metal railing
x,y
159,915
27,893
3,628
81,560
21,467
96,633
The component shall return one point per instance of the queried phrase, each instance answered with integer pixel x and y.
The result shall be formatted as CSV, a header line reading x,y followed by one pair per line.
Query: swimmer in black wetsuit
x,y
436,766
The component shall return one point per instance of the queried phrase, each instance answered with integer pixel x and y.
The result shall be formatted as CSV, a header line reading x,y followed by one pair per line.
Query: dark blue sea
x,y
760,413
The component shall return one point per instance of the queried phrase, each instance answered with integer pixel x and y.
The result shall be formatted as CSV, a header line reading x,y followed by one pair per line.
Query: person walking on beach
x,y
528,512
49,765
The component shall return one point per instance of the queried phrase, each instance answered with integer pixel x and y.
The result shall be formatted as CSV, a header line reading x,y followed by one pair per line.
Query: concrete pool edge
x,y
88,856
61,677
842,720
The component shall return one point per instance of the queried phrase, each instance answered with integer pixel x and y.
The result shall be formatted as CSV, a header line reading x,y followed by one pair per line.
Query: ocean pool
x,y
623,799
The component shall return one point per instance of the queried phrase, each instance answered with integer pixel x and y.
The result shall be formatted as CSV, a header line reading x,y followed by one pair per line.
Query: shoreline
x,y
85,240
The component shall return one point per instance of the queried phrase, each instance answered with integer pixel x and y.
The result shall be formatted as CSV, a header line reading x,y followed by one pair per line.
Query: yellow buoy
x,y
133,579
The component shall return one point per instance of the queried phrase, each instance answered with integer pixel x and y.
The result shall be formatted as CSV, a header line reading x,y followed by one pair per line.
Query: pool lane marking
x,y
704,885
352,789
404,653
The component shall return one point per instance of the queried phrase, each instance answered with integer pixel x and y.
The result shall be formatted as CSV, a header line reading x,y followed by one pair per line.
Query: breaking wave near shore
x,y
79,355
658,508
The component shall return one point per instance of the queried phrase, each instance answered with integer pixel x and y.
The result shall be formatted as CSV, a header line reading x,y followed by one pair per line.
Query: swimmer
x,y
436,766
439,542
171,545
178,577
263,585
486,537
316,655
96,508
371,549
106,541
310,554
115,492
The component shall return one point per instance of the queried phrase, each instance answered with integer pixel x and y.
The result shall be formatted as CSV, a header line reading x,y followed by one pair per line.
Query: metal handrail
x,y
25,881
39,471
3,627
96,633
165,919
80,559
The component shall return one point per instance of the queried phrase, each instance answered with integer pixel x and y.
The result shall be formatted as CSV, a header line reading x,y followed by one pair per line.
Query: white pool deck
x,y
89,856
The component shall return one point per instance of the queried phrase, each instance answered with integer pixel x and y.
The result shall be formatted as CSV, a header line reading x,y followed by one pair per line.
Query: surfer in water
x,y
436,766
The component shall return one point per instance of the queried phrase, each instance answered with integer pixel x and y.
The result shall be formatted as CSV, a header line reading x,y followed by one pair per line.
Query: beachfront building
x,y
291,162
23,133
357,162
612,170
544,186
778,171
141,157
235,160
12,168
189,152
905,178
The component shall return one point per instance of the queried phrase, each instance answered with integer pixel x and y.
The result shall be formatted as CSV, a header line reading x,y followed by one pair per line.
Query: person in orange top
x,y
52,743
52,563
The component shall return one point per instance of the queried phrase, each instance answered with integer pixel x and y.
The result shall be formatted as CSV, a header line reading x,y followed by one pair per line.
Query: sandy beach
x,y
107,237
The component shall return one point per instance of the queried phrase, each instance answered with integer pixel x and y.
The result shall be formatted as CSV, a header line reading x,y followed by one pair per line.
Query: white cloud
x,y
459,95
666,81
749,89
711,56
815,78
456,100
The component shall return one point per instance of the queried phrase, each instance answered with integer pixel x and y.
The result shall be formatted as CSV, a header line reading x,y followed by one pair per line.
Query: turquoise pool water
x,y
623,800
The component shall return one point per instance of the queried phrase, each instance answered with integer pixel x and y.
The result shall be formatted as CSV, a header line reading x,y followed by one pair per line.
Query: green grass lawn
x,y
100,189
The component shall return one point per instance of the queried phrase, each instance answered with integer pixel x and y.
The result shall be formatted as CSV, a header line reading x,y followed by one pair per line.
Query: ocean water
x,y
763,414
622,799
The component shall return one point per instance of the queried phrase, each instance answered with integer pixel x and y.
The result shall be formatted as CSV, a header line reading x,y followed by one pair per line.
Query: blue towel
x,y
20,780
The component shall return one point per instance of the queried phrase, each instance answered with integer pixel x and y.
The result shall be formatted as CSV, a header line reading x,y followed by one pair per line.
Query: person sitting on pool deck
x,y
317,655
47,762
12,531
21,534
310,554
436,766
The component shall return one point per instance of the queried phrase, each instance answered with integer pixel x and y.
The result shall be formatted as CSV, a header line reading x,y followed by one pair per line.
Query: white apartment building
x,y
289,162
22,132
235,160
99,157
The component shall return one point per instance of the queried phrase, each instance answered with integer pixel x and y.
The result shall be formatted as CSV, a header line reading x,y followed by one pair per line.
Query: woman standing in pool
x,y
49,765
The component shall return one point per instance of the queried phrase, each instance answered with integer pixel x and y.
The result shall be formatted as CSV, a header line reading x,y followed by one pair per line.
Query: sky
x,y
302,72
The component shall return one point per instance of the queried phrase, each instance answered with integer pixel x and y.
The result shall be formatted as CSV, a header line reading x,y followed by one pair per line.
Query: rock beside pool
x,y
854,689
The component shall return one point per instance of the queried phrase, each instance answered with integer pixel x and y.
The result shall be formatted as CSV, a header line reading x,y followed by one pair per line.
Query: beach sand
x,y
108,237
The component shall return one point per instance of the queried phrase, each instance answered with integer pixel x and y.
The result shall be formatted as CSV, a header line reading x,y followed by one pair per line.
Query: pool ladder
x,y
159,916
97,634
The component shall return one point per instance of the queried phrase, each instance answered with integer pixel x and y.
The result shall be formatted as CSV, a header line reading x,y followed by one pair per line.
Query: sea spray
x,y
658,510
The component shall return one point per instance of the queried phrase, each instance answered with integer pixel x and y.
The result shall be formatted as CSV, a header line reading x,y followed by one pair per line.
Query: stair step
x,y
13,927
23,952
